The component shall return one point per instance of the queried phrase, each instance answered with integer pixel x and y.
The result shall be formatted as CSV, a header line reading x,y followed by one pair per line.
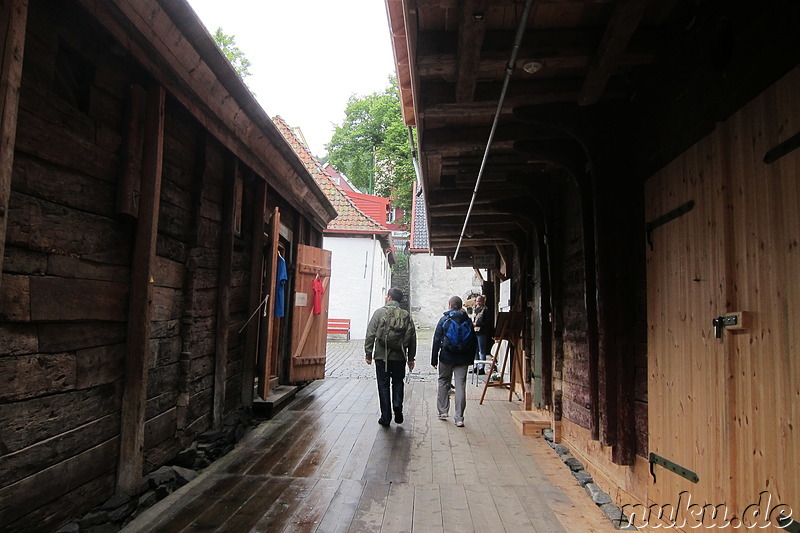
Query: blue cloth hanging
x,y
280,288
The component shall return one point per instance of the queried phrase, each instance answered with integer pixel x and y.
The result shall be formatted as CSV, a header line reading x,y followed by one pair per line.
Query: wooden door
x,y
727,408
687,288
309,329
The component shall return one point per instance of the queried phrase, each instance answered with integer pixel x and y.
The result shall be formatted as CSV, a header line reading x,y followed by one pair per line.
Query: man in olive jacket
x,y
392,342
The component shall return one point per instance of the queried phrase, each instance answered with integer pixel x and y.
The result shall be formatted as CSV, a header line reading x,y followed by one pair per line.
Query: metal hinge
x,y
656,459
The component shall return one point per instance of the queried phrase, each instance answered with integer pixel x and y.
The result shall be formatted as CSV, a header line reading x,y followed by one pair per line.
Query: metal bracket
x,y
656,459
666,217
736,321
786,147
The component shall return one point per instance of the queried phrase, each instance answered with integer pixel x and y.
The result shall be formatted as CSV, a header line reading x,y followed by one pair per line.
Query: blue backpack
x,y
458,336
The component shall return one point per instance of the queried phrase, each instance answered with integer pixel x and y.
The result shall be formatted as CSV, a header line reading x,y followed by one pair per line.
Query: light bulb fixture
x,y
532,67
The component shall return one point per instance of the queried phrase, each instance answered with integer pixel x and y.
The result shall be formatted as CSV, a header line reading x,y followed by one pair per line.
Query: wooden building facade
x,y
640,190
145,202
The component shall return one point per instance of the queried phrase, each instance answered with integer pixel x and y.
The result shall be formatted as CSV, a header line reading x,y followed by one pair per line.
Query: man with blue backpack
x,y
453,351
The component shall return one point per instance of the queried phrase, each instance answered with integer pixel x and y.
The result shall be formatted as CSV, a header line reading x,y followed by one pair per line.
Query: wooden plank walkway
x,y
325,465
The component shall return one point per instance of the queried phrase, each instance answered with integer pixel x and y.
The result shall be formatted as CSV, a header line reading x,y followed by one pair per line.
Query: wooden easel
x,y
509,329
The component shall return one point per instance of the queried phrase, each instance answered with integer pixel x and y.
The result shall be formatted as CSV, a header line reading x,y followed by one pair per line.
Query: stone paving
x,y
345,359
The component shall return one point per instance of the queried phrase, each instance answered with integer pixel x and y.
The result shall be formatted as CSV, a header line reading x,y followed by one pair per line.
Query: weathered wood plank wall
x,y
575,380
68,264
63,310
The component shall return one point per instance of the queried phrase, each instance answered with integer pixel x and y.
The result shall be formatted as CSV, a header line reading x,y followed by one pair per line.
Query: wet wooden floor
x,y
324,464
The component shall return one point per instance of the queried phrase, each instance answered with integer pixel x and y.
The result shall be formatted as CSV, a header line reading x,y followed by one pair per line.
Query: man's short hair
x,y
395,294
455,302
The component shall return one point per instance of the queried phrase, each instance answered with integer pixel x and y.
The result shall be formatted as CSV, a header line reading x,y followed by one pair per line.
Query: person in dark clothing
x,y
482,320
453,359
392,342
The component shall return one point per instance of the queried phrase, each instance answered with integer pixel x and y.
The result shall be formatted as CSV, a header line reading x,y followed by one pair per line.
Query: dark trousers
x,y
394,374
482,350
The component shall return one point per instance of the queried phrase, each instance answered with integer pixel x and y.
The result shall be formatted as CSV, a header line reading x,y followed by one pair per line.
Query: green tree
x,y
371,146
227,43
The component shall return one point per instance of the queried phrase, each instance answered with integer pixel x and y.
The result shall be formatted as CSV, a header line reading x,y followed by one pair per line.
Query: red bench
x,y
339,326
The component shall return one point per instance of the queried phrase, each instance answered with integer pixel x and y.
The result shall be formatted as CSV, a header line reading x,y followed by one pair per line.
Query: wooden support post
x,y
558,410
129,469
13,19
608,309
271,323
590,300
224,289
629,261
256,277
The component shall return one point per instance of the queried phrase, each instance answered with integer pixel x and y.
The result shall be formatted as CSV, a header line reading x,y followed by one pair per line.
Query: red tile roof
x,y
374,206
350,218
338,179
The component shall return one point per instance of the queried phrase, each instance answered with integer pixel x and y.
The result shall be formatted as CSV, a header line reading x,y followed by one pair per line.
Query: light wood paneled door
x,y
727,407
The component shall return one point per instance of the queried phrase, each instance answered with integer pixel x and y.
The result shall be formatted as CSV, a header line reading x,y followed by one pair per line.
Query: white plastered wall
x,y
432,285
360,277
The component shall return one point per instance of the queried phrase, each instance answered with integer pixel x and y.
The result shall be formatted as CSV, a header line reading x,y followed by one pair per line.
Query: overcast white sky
x,y
307,56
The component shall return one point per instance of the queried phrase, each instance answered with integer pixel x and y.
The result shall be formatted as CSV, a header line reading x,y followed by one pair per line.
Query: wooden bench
x,y
339,326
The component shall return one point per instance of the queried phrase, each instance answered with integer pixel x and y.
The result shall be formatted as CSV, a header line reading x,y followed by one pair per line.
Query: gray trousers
x,y
458,373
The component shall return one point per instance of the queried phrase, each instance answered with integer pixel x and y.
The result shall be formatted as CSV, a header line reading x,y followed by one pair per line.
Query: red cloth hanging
x,y
318,289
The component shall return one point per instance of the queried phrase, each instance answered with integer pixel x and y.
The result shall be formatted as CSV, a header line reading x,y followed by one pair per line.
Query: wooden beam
x,y
440,202
270,336
624,21
134,399
476,137
13,20
453,4
470,41
590,305
439,96
224,287
560,50
250,358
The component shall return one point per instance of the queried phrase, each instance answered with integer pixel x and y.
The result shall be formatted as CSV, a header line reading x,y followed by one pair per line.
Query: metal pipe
x,y
509,71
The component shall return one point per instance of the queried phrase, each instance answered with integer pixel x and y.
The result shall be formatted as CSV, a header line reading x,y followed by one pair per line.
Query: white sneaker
x,y
442,416
459,423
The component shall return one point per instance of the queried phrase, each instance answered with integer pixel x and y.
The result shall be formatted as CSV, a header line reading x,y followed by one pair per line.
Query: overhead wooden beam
x,y
474,242
471,31
624,21
439,200
394,11
13,20
519,92
558,50
453,4
134,398
480,230
468,138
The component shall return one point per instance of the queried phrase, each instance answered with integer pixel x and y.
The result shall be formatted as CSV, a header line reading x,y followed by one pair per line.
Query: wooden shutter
x,y
309,331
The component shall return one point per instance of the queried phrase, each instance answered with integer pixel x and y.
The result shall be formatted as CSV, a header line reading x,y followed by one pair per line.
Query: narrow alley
x,y
323,464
